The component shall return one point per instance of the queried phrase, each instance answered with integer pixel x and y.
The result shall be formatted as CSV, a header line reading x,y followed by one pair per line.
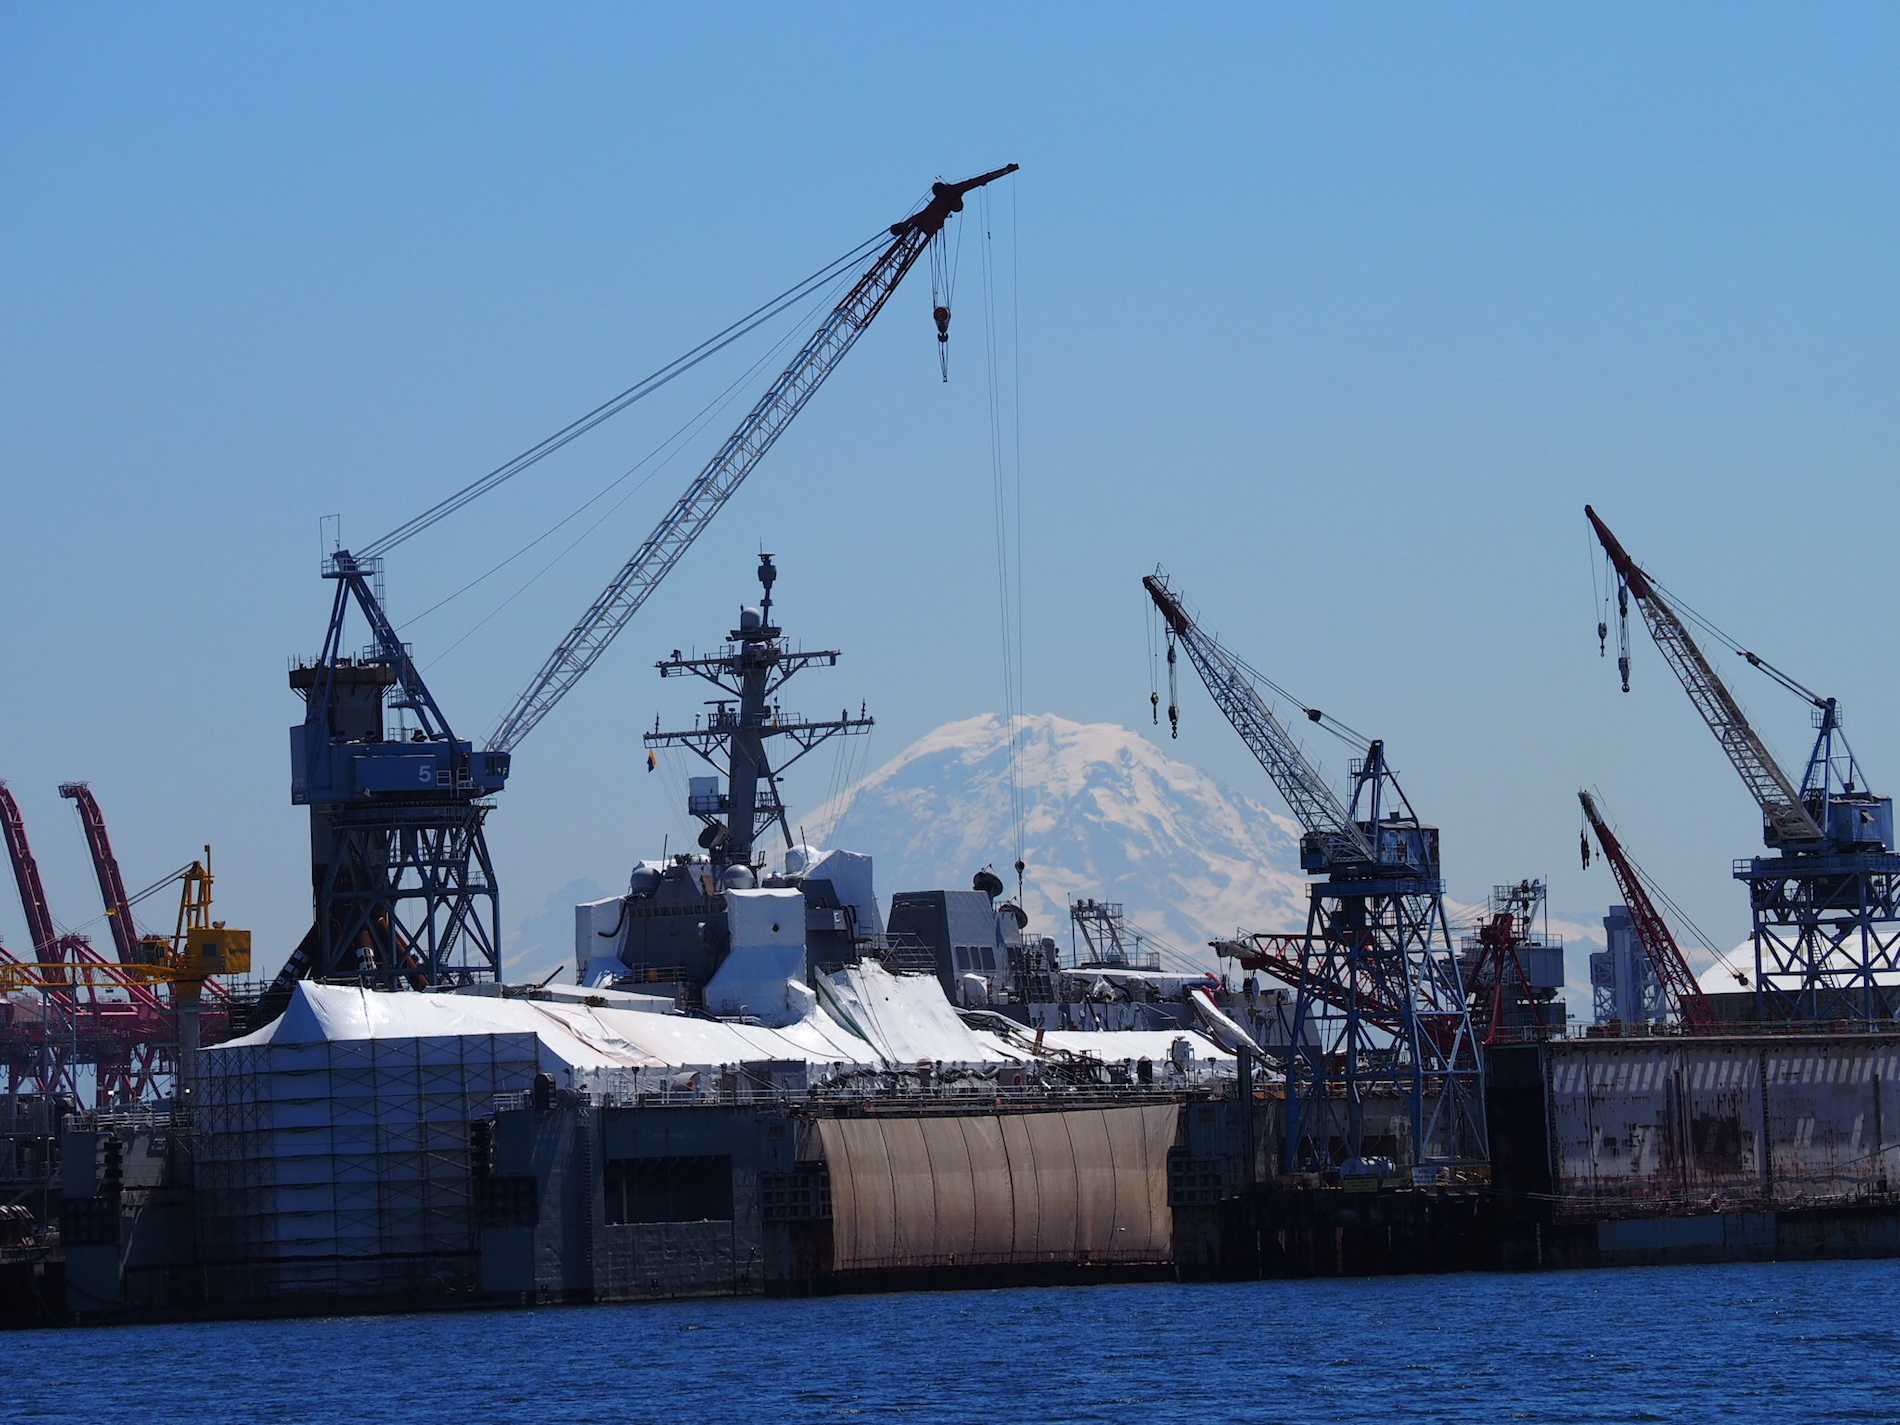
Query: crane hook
x,y
941,315
1174,696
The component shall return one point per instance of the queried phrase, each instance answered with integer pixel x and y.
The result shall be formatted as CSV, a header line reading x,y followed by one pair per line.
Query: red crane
x,y
133,948
125,934
26,875
71,1023
1494,971
1282,956
1684,996
67,1005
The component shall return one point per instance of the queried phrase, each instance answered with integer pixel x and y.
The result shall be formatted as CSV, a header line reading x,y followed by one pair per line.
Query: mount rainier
x,y
1106,814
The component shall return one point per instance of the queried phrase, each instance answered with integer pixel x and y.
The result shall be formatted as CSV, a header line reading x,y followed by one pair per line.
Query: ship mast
x,y
734,737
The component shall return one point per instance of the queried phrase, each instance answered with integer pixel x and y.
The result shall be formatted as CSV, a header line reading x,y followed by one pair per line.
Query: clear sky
x,y
1341,312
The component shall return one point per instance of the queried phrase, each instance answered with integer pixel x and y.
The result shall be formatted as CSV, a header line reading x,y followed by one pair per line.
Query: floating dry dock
x,y
417,1172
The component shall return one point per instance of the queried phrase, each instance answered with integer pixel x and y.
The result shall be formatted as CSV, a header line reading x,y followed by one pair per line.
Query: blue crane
x,y
734,460
1381,1007
403,887
1825,904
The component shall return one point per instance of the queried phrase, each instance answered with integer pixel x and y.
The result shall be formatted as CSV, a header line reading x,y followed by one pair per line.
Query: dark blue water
x,y
1788,1343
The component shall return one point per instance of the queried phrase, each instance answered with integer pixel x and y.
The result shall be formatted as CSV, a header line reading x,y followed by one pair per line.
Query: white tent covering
x,y
571,1036
763,974
1163,982
850,875
1230,1035
867,1017
907,1018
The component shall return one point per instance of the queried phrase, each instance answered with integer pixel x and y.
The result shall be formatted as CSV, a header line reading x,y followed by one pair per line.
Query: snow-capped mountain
x,y
1106,814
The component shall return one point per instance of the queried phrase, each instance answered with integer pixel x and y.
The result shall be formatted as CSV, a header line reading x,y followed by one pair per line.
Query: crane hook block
x,y
941,315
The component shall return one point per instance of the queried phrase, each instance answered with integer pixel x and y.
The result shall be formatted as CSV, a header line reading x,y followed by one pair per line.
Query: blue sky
x,y
1340,312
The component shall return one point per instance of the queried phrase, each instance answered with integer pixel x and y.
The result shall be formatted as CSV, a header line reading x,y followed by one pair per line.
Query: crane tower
x,y
1825,901
1381,1005
404,891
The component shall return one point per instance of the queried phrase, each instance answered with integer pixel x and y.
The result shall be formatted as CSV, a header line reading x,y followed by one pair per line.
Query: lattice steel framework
x,y
1381,1008
1381,1005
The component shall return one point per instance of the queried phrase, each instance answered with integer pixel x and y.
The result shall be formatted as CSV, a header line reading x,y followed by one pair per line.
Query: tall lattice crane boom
x,y
105,867
733,461
1683,995
1319,813
1789,822
26,875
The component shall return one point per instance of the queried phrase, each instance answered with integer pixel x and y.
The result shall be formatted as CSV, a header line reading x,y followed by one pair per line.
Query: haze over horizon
x,y
1340,314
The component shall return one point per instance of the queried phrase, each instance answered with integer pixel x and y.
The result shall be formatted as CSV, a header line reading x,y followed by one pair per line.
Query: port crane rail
x,y
1380,1005
1825,907
404,890
1681,994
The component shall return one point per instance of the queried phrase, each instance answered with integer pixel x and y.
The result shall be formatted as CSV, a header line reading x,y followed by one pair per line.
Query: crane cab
x,y
1401,841
1857,823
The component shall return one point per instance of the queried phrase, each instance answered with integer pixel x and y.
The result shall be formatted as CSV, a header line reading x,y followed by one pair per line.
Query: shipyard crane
x,y
1787,819
735,459
1825,907
126,1040
105,868
403,887
1377,951
1506,998
1681,993
135,948
44,937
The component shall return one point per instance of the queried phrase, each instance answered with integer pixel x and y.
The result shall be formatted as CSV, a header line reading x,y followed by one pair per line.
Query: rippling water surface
x,y
1796,1342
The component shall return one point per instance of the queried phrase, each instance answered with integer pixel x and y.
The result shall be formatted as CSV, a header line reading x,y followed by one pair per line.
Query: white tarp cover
x,y
1080,1184
763,974
850,875
902,1018
1231,1034
599,927
908,1018
570,1035
1164,981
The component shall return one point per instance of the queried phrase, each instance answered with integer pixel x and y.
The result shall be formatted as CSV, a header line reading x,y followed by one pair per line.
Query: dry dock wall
x,y
1634,1152
1640,1126
628,1204
339,1170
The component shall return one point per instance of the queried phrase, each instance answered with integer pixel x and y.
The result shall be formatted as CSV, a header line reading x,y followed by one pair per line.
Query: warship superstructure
x,y
672,933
